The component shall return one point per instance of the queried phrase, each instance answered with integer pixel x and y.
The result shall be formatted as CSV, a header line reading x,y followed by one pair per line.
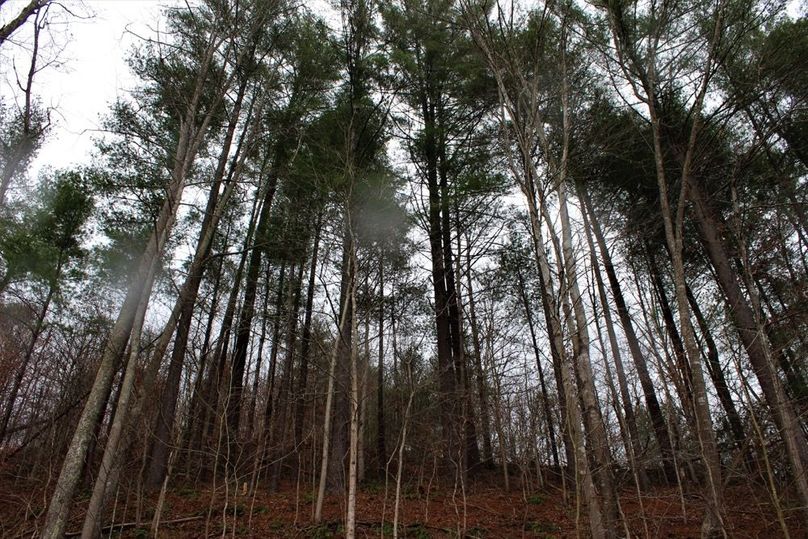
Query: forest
x,y
417,268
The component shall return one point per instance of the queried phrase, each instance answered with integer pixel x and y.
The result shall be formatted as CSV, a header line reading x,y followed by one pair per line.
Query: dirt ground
x,y
484,512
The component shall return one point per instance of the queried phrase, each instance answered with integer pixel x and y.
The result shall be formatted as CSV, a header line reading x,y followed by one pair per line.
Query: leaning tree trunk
x,y
166,411
755,343
597,437
640,363
633,448
92,518
62,498
189,139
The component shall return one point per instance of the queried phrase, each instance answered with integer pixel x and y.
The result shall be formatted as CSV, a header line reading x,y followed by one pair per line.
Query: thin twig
x,y
133,524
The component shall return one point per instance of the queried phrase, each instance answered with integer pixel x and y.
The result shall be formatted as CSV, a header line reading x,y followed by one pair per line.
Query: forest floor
x,y
485,512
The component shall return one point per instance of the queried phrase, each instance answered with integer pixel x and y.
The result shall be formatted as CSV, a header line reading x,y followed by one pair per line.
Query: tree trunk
x,y
26,146
647,384
340,424
717,375
464,414
439,271
305,339
285,400
633,448
331,458
574,439
253,415
597,437
674,237
163,432
548,414
684,373
243,331
93,516
355,396
381,443
755,343
195,421
210,398
270,410
479,374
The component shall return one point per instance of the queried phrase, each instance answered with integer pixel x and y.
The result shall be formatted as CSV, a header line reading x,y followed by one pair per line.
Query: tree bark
x,y
11,26
92,518
244,326
331,468
684,373
210,395
163,432
597,437
355,396
479,374
305,338
285,399
381,443
548,413
633,448
755,343
717,375
640,363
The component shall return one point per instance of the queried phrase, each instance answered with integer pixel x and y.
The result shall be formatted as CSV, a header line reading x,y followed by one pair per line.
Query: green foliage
x,y
20,136
44,237
381,217
542,529
535,499
417,531
325,530
188,492
385,529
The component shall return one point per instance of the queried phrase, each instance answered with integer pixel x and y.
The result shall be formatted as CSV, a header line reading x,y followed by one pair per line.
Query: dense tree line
x,y
562,241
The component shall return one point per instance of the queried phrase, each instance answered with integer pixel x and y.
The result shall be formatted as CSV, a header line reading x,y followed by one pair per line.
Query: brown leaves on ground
x,y
483,512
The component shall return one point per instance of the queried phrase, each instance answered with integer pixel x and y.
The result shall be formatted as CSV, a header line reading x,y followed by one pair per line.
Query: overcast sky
x,y
92,70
